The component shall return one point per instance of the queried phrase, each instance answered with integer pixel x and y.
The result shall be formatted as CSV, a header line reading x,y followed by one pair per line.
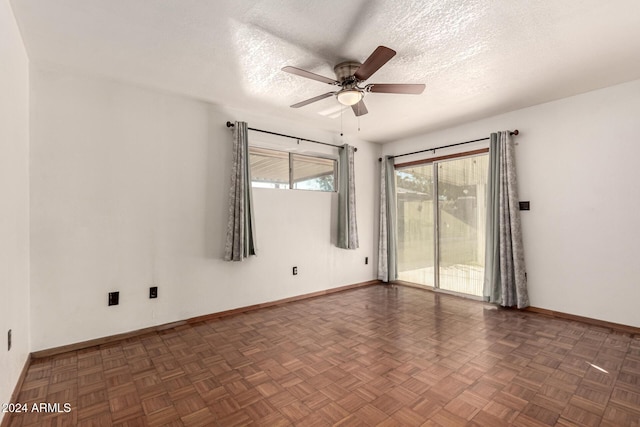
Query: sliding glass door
x,y
441,239
416,244
461,223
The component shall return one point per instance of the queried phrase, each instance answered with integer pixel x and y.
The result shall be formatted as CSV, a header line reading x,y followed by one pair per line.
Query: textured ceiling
x,y
477,58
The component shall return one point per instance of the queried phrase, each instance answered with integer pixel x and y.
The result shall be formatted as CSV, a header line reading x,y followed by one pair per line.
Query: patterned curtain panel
x,y
347,225
505,281
387,241
241,232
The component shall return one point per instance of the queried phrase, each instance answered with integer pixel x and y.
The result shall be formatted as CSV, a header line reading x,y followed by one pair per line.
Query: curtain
x,y
387,241
505,280
241,234
347,225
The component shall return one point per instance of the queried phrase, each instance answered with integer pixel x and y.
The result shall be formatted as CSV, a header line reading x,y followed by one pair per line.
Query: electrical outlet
x,y
366,260
295,271
114,298
9,340
153,292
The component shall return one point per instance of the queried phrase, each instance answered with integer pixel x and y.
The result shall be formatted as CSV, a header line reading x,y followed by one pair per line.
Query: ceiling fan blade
x,y
311,100
308,74
359,109
377,59
411,89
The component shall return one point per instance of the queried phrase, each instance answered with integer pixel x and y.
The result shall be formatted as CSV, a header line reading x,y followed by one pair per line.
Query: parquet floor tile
x,y
374,356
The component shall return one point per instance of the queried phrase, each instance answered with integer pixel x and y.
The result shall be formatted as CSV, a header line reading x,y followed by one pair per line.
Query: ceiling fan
x,y
349,77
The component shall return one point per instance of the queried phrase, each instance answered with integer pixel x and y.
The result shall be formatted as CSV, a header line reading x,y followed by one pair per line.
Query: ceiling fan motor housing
x,y
345,71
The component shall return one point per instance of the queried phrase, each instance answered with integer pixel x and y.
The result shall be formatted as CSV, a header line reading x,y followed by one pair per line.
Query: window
x,y
279,169
313,173
269,168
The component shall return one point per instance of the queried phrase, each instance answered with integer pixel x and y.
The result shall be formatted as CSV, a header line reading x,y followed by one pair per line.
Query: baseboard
x,y
16,390
119,337
280,301
551,313
595,322
103,340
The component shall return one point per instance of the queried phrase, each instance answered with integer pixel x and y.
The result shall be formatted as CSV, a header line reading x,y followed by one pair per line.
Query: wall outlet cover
x,y
114,298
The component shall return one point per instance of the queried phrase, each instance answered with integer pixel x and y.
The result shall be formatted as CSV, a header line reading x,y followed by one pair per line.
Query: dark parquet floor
x,y
372,356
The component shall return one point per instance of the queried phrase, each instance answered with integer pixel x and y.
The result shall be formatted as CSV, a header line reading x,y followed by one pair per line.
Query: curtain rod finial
x,y
515,132
230,125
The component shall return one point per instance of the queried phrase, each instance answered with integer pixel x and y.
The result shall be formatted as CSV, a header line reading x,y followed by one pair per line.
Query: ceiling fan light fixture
x,y
349,97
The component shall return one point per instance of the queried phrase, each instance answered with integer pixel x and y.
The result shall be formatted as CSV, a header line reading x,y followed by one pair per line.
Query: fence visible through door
x,y
441,223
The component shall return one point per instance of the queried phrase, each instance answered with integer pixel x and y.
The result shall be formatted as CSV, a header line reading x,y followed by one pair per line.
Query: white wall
x,y
129,189
578,164
14,202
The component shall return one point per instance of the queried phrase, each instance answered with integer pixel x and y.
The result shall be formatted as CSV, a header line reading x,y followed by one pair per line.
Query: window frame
x,y
291,163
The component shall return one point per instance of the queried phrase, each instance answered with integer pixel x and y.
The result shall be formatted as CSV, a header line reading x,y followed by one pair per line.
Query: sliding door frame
x,y
436,227
440,158
436,210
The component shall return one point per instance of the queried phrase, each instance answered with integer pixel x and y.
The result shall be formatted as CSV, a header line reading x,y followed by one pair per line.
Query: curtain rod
x,y
230,125
515,132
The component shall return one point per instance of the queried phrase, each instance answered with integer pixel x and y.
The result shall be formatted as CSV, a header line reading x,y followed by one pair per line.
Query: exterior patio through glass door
x,y
441,223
